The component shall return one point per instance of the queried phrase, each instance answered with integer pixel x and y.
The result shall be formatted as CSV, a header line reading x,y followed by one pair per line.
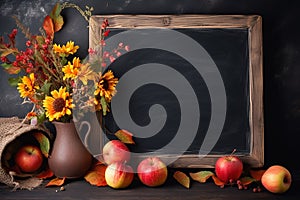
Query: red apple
x,y
152,171
29,158
119,175
276,179
229,168
115,151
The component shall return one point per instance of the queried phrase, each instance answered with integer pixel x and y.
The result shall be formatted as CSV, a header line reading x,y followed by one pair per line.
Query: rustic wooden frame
x,y
253,23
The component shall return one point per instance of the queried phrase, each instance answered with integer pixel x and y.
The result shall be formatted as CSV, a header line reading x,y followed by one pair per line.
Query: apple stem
x,y
234,150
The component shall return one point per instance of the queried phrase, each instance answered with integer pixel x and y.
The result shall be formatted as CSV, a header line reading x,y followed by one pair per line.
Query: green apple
x,y
276,179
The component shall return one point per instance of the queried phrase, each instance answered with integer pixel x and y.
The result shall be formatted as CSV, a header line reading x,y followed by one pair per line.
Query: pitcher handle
x,y
87,133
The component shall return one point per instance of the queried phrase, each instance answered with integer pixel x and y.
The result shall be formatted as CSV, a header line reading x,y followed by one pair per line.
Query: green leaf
x,y
14,81
44,143
46,88
201,176
41,117
104,105
55,11
6,65
56,17
40,39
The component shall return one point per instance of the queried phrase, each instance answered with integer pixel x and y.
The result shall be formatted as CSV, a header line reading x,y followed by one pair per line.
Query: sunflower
x,y
106,87
58,105
65,50
27,87
71,69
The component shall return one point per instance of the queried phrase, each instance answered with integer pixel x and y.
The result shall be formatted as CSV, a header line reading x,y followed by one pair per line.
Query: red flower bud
x,y
28,43
4,59
106,33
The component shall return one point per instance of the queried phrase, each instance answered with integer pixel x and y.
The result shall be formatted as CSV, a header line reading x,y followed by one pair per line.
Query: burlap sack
x,y
10,130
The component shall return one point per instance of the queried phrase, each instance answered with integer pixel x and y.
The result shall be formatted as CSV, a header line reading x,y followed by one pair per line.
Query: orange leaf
x,y
247,180
257,174
12,69
48,26
96,176
56,182
45,174
217,181
182,178
125,136
201,176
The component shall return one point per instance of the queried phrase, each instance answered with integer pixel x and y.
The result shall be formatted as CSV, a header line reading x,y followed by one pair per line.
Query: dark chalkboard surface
x,y
190,87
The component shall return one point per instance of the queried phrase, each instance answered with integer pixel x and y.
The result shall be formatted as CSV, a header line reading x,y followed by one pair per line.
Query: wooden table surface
x,y
79,189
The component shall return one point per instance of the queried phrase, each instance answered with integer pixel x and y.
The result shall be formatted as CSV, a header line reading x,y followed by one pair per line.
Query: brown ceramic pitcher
x,y
69,157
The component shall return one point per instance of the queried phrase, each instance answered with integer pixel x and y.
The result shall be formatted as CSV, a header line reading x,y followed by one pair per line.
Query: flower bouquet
x,y
60,86
54,80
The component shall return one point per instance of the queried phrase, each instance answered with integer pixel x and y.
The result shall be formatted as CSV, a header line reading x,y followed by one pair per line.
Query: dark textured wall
x,y
281,59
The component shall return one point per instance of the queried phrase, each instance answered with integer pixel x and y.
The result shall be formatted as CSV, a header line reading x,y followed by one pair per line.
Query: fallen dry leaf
x,y
217,181
257,174
56,182
96,176
247,180
201,176
182,178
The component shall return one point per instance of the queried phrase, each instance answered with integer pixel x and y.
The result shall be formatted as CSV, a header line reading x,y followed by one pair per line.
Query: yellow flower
x,y
65,50
58,105
71,70
57,49
27,87
106,86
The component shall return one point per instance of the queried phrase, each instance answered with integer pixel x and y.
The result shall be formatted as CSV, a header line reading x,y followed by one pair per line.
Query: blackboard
x,y
190,87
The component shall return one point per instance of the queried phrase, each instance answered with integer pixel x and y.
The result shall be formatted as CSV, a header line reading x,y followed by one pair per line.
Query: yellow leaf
x,y
7,52
201,176
58,23
56,182
125,136
182,178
